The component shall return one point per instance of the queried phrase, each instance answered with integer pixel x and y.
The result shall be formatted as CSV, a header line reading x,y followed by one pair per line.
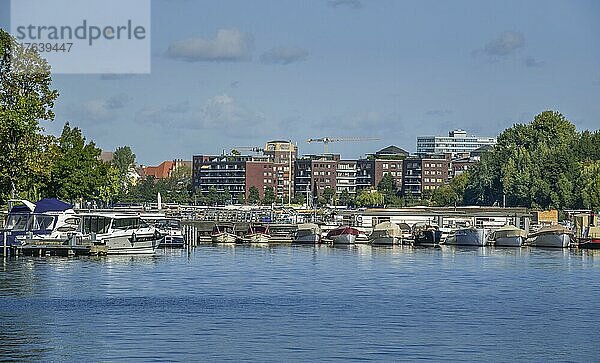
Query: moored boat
x,y
508,236
171,230
385,233
258,234
343,235
120,233
426,234
550,236
223,233
467,237
308,233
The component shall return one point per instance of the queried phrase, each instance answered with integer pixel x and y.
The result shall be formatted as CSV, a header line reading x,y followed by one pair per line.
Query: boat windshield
x,y
42,222
167,223
95,224
128,223
17,222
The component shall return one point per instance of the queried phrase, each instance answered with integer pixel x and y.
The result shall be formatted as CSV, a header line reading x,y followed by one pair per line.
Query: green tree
x,y
345,198
26,98
589,185
269,197
389,189
299,198
452,193
253,195
241,199
78,173
327,196
369,198
124,162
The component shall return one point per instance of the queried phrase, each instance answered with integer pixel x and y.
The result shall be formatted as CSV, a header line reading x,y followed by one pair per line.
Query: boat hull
x,y
258,238
223,238
344,239
384,241
561,240
516,241
594,244
467,237
172,242
125,246
428,238
307,239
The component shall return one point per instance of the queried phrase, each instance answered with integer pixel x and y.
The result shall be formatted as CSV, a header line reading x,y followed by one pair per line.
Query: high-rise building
x,y
456,142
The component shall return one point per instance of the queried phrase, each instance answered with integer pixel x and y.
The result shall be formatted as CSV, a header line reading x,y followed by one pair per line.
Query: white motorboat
x,y
550,236
120,233
386,233
343,235
308,233
508,236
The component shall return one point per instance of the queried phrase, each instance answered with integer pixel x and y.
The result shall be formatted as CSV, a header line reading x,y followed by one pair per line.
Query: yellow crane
x,y
327,140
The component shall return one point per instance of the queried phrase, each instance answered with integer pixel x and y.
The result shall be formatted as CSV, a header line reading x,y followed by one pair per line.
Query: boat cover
x,y
51,205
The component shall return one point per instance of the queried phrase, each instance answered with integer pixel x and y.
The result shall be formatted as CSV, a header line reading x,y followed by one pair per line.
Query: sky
x,y
231,73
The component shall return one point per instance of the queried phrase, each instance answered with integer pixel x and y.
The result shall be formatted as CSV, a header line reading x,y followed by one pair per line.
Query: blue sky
x,y
238,73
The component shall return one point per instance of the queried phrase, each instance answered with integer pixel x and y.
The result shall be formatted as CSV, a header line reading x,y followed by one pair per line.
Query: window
x,y
42,222
127,223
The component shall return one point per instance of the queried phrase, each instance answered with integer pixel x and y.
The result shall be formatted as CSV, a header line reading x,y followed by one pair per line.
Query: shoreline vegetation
x,y
545,164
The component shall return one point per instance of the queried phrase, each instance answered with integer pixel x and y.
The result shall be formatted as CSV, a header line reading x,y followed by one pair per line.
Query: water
x,y
286,303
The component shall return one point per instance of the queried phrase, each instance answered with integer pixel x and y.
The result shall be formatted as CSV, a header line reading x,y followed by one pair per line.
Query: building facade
x,y
457,141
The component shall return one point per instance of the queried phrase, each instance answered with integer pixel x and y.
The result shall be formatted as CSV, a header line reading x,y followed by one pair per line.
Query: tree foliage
x,y
370,198
26,98
269,197
253,195
124,162
537,165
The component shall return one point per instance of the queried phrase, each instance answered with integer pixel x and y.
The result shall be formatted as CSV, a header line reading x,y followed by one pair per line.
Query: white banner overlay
x,y
86,36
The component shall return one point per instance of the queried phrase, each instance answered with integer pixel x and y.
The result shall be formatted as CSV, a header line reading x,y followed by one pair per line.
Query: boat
x,y
343,235
258,234
593,240
426,234
122,234
550,236
224,233
170,228
386,233
308,233
508,236
468,237
47,218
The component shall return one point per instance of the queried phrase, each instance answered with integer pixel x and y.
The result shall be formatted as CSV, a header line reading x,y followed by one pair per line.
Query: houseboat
x,y
426,234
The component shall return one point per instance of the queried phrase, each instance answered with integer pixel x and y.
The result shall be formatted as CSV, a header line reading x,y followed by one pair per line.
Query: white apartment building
x,y
456,142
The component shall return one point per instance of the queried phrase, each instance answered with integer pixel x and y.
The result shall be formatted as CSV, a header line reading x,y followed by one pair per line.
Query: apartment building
x,y
457,141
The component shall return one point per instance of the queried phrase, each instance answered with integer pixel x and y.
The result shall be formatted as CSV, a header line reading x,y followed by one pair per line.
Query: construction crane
x,y
327,140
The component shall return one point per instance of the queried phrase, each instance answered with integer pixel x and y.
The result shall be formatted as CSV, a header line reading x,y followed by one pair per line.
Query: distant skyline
x,y
239,73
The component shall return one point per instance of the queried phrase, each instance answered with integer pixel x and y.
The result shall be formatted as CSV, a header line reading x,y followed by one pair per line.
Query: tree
x,y
78,173
253,195
26,98
369,198
124,161
269,197
212,198
345,198
389,189
451,194
537,165
327,196
299,198
589,185
241,199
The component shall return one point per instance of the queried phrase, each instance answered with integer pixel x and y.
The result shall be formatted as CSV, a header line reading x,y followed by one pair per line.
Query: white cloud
x,y
228,45
284,55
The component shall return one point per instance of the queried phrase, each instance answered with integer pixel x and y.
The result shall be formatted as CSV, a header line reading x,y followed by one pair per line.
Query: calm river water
x,y
287,303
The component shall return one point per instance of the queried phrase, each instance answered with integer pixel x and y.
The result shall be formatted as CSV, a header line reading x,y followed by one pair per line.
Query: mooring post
x,y
4,243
